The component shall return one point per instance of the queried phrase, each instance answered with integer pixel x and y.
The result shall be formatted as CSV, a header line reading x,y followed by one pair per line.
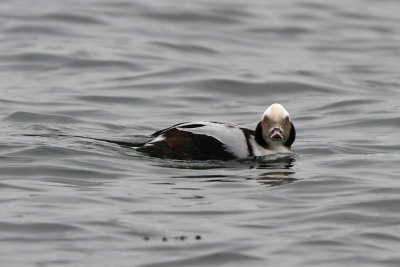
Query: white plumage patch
x,y
276,112
157,139
229,134
261,151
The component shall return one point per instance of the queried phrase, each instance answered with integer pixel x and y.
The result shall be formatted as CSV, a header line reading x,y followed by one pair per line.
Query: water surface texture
x,y
123,69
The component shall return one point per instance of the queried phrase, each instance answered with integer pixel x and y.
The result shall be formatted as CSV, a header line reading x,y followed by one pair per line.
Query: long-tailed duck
x,y
224,141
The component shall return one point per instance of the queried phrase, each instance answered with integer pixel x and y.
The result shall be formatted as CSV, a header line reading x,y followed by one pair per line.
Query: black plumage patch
x,y
292,136
159,132
248,133
194,125
179,125
178,144
259,136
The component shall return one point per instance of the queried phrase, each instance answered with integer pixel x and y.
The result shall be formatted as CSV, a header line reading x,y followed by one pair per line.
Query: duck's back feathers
x,y
189,141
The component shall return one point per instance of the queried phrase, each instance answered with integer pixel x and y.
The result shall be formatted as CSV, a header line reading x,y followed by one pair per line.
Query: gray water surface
x,y
121,70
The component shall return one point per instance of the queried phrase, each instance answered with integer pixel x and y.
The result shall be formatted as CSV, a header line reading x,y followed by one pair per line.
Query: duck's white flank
x,y
228,134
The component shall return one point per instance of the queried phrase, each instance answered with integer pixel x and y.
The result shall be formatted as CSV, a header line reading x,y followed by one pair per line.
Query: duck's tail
x,y
117,142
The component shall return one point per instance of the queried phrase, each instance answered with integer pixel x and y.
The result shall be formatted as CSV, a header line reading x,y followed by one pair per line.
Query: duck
x,y
209,140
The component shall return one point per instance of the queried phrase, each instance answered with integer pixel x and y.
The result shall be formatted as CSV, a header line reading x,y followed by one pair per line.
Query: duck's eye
x,y
266,121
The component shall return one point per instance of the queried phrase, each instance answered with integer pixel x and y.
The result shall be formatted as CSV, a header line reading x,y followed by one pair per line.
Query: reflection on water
x,y
275,161
280,167
276,178
277,169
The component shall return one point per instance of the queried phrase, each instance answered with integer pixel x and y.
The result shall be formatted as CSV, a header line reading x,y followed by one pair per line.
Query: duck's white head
x,y
275,128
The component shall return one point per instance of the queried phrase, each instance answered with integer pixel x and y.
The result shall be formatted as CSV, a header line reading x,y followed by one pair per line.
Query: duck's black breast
x,y
189,141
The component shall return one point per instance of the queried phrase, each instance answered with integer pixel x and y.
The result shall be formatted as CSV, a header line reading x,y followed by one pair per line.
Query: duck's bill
x,y
276,135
